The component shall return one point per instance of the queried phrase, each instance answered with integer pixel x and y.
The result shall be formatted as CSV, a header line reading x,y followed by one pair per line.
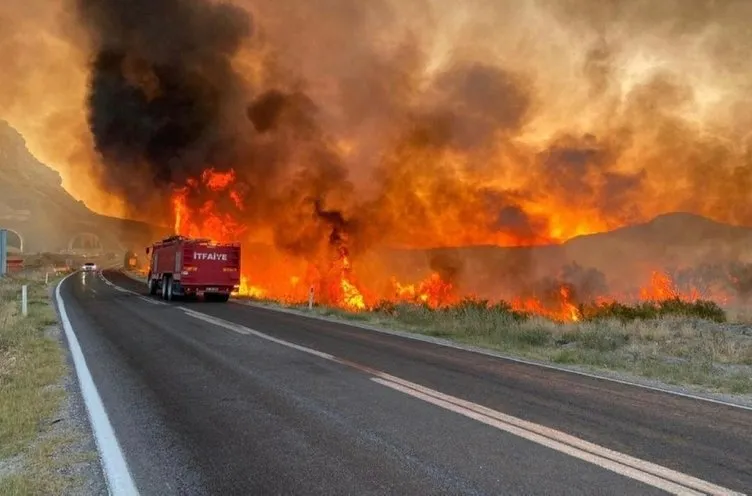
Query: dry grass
x,y
32,367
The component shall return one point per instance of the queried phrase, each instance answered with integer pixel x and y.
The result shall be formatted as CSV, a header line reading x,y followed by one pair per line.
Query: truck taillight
x,y
229,269
189,268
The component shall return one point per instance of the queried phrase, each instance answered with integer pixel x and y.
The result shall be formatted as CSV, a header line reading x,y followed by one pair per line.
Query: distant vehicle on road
x,y
89,267
130,260
182,266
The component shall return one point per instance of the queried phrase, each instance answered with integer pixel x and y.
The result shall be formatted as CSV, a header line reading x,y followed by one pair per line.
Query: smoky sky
x,y
503,125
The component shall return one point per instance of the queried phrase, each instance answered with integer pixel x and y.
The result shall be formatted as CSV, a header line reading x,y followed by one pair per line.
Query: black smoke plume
x,y
165,104
161,88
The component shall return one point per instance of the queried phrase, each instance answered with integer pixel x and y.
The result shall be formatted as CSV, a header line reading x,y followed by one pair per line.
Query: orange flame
x,y
217,181
246,289
334,282
352,298
662,287
206,221
563,310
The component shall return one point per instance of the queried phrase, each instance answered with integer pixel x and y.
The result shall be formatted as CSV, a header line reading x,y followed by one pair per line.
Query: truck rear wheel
x,y
152,286
165,283
170,288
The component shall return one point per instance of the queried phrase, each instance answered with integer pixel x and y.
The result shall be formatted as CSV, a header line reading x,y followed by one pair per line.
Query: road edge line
x,y
114,466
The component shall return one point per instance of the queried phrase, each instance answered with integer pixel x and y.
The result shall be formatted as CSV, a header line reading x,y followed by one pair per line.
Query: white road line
x,y
480,351
128,291
493,354
605,463
650,473
119,480
151,301
646,472
245,330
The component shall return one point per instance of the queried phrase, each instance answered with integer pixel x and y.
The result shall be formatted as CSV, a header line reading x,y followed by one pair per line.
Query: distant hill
x,y
45,217
625,256
674,239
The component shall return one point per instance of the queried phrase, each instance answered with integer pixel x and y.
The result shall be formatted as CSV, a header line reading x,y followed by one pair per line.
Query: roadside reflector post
x,y
24,300
310,298
46,278
3,252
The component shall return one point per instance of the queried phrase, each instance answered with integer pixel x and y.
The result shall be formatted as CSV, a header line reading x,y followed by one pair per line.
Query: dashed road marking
x,y
660,477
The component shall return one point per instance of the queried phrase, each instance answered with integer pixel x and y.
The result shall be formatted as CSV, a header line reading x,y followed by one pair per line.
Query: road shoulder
x,y
48,447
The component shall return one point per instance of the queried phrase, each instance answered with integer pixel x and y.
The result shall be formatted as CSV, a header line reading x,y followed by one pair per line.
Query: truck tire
x,y
152,286
170,288
165,282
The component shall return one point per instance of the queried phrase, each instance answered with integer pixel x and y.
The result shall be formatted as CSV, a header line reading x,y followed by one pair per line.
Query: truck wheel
x,y
165,282
221,298
169,290
152,286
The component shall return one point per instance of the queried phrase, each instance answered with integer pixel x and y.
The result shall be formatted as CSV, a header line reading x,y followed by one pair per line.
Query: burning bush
x,y
481,315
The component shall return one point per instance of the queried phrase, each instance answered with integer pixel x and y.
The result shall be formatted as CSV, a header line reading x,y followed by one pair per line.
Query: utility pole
x,y
3,252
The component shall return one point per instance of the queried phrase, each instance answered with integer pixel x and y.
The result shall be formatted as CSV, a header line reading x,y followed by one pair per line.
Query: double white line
x,y
663,478
649,473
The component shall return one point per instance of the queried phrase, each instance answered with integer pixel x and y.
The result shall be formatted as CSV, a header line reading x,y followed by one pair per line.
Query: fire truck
x,y
181,266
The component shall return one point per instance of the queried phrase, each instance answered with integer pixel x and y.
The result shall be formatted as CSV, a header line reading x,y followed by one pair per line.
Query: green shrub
x,y
702,309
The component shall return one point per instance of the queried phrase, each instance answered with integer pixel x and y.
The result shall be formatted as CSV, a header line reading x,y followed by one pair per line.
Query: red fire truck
x,y
181,266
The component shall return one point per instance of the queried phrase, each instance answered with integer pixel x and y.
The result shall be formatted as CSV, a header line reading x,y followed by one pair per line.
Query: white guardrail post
x,y
3,252
310,299
25,300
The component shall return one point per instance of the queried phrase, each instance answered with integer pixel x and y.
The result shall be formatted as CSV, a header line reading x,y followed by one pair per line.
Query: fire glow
x,y
335,282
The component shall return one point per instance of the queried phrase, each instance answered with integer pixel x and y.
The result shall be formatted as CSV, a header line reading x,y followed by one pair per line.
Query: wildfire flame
x,y
562,310
335,284
205,220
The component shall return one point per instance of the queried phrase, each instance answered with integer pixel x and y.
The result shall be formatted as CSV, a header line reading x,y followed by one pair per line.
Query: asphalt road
x,y
203,403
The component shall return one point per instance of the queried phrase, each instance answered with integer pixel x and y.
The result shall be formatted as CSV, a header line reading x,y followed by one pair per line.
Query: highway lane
x,y
200,409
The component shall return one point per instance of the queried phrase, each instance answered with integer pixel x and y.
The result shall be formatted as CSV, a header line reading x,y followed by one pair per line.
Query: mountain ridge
x,y
43,216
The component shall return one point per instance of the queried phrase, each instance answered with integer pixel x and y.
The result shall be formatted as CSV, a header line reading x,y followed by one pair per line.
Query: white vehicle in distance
x,y
89,267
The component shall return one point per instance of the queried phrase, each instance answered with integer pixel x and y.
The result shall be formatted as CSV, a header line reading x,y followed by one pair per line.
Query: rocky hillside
x,y
35,206
28,187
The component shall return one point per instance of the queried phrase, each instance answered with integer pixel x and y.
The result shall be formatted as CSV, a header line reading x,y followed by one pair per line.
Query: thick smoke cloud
x,y
166,103
162,87
421,123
